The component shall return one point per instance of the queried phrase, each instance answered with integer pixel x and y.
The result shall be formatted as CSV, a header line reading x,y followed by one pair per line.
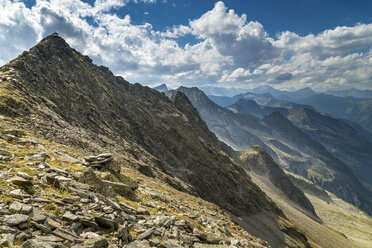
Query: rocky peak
x,y
76,103
259,162
161,88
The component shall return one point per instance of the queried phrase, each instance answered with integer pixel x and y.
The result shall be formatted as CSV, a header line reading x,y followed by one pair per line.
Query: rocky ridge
x,y
51,196
63,97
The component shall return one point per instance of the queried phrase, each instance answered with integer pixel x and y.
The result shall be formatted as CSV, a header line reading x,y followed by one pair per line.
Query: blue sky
x,y
286,44
299,16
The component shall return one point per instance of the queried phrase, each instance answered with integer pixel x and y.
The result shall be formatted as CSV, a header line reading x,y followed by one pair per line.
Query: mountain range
x,y
292,148
335,135
90,160
60,95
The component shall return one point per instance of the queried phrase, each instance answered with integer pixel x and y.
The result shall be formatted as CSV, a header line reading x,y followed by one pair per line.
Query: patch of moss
x,y
59,192
53,208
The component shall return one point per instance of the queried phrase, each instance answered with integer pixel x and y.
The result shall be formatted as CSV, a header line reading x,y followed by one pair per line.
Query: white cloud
x,y
229,48
246,42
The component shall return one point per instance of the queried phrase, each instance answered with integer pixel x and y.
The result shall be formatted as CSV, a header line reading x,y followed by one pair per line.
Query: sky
x,y
288,44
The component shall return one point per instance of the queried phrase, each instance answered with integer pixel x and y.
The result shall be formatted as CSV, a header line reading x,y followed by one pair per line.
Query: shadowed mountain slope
x,y
350,108
289,146
258,163
340,138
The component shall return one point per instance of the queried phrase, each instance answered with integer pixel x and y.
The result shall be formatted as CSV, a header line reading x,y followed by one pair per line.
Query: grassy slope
x,y
319,235
346,218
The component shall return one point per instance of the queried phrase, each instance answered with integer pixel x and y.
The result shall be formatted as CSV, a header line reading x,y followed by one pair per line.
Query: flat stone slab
x,y
16,219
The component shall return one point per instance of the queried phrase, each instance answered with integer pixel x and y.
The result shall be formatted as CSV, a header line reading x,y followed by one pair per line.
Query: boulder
x,y
21,181
98,161
16,219
17,207
41,227
147,234
105,187
105,222
66,235
68,216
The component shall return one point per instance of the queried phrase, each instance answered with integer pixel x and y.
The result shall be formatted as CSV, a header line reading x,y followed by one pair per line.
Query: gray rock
x,y
16,219
39,218
100,242
21,237
105,187
35,244
89,235
208,238
21,181
68,216
15,207
138,244
70,200
66,235
23,141
124,235
147,234
26,209
52,180
112,204
88,221
15,132
171,244
41,200
6,155
108,210
41,227
7,229
105,223
99,159
52,223
18,193
63,179
24,175
7,240
40,157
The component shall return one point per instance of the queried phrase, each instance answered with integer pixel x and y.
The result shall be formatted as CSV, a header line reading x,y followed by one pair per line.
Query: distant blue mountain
x,y
221,91
351,92
161,88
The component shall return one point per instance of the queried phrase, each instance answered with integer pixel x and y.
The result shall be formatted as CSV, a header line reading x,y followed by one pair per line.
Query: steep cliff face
x,y
60,94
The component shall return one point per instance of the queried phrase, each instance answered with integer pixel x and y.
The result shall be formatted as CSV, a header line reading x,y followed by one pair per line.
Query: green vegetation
x,y
345,218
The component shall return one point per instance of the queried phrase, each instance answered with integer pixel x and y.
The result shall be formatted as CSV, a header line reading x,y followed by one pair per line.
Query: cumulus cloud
x,y
229,50
245,42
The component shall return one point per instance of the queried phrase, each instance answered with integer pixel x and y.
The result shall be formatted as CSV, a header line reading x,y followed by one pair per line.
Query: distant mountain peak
x,y
161,88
